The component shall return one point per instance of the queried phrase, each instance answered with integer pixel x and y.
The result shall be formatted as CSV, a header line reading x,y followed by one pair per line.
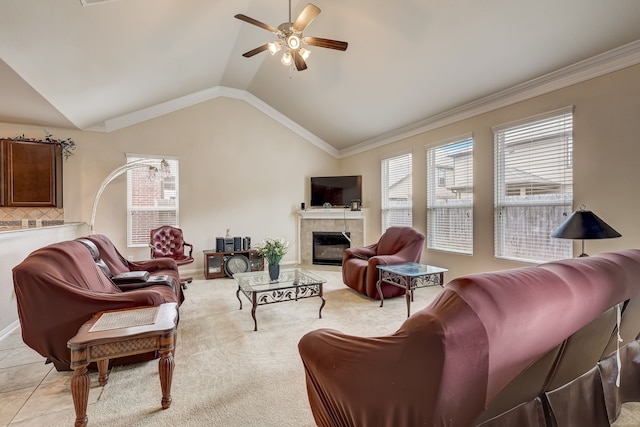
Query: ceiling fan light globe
x,y
304,53
286,58
293,41
274,47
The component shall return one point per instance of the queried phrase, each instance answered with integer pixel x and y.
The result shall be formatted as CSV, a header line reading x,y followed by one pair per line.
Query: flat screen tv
x,y
338,191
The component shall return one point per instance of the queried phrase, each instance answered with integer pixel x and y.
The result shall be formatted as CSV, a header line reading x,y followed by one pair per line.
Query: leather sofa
x,y
118,264
59,287
396,245
533,346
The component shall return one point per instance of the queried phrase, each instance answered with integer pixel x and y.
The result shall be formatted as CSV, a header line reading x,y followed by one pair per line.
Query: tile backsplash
x,y
13,217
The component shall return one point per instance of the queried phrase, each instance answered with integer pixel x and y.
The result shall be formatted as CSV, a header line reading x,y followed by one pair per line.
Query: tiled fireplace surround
x,y
331,219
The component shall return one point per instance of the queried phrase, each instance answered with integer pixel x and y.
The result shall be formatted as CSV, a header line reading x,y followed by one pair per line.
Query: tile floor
x,y
33,393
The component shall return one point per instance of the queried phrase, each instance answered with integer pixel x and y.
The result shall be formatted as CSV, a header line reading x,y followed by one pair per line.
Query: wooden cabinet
x,y
223,264
31,174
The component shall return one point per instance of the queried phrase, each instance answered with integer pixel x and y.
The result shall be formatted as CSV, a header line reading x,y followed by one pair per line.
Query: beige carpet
x,y
228,375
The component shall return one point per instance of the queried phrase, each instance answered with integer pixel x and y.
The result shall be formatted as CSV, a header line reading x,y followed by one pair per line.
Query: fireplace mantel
x,y
328,219
331,213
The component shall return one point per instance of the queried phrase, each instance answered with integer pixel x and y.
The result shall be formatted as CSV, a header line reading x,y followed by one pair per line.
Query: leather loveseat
x,y
59,287
118,264
534,346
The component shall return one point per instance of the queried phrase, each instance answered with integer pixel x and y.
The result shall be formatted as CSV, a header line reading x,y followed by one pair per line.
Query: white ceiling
x,y
96,67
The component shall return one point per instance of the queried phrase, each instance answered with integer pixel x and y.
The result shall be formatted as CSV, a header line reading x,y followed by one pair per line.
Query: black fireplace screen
x,y
328,247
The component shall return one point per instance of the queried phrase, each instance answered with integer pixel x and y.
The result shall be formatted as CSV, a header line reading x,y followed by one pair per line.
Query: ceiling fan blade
x,y
256,51
257,23
301,65
328,43
305,18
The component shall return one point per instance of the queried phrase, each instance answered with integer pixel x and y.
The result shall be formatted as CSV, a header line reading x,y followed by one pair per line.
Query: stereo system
x,y
225,264
231,244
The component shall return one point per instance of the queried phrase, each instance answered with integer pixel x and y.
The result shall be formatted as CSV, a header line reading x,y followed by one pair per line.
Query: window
x,y
152,199
442,177
450,196
533,190
396,191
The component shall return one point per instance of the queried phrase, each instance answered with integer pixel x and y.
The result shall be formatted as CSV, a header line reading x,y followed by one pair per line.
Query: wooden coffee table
x,y
118,333
292,285
409,276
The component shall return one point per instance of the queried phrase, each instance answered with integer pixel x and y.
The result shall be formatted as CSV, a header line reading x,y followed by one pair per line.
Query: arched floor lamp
x,y
152,165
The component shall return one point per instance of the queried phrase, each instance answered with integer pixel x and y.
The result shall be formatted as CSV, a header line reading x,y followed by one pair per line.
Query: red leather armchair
x,y
397,245
168,242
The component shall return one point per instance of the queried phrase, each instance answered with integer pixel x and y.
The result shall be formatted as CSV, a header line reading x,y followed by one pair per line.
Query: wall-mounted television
x,y
338,191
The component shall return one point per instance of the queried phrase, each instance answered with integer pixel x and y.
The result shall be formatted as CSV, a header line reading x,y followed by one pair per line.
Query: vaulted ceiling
x,y
112,63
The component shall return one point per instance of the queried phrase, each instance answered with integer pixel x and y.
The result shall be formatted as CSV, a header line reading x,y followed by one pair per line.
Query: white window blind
x,y
450,196
533,192
396,191
152,200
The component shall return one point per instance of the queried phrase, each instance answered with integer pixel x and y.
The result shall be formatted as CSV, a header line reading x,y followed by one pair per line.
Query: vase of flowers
x,y
273,250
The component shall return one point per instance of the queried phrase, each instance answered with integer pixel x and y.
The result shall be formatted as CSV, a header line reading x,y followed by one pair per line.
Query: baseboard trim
x,y
9,329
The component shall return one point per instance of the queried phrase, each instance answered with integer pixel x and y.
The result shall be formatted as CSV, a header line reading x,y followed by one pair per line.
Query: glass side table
x,y
409,276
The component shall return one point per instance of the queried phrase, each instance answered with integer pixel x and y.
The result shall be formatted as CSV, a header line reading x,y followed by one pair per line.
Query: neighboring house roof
x,y
517,177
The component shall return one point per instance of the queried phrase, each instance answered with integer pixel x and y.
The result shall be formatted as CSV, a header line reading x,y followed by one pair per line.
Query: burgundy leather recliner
x,y
396,245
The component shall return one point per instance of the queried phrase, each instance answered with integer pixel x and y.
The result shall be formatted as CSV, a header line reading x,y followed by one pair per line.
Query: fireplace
x,y
328,247
310,221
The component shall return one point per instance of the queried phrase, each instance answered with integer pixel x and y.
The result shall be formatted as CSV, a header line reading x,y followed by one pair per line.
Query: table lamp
x,y
584,224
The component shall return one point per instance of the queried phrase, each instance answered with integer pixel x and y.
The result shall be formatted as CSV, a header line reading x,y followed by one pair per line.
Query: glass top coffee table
x,y
292,285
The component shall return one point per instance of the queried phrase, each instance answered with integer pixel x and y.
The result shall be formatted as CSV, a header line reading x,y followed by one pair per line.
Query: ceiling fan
x,y
290,37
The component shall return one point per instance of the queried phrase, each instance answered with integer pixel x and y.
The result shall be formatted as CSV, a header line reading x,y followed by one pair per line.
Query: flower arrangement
x,y
273,250
67,145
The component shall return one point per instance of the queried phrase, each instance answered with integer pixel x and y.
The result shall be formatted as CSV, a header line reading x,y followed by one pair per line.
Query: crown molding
x,y
177,104
599,65
144,114
608,62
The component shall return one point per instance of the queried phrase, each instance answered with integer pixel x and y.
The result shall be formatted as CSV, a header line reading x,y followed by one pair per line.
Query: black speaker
x,y
246,243
219,244
237,243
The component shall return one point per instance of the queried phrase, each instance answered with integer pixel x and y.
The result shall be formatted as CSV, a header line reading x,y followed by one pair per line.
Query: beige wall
x,y
606,166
